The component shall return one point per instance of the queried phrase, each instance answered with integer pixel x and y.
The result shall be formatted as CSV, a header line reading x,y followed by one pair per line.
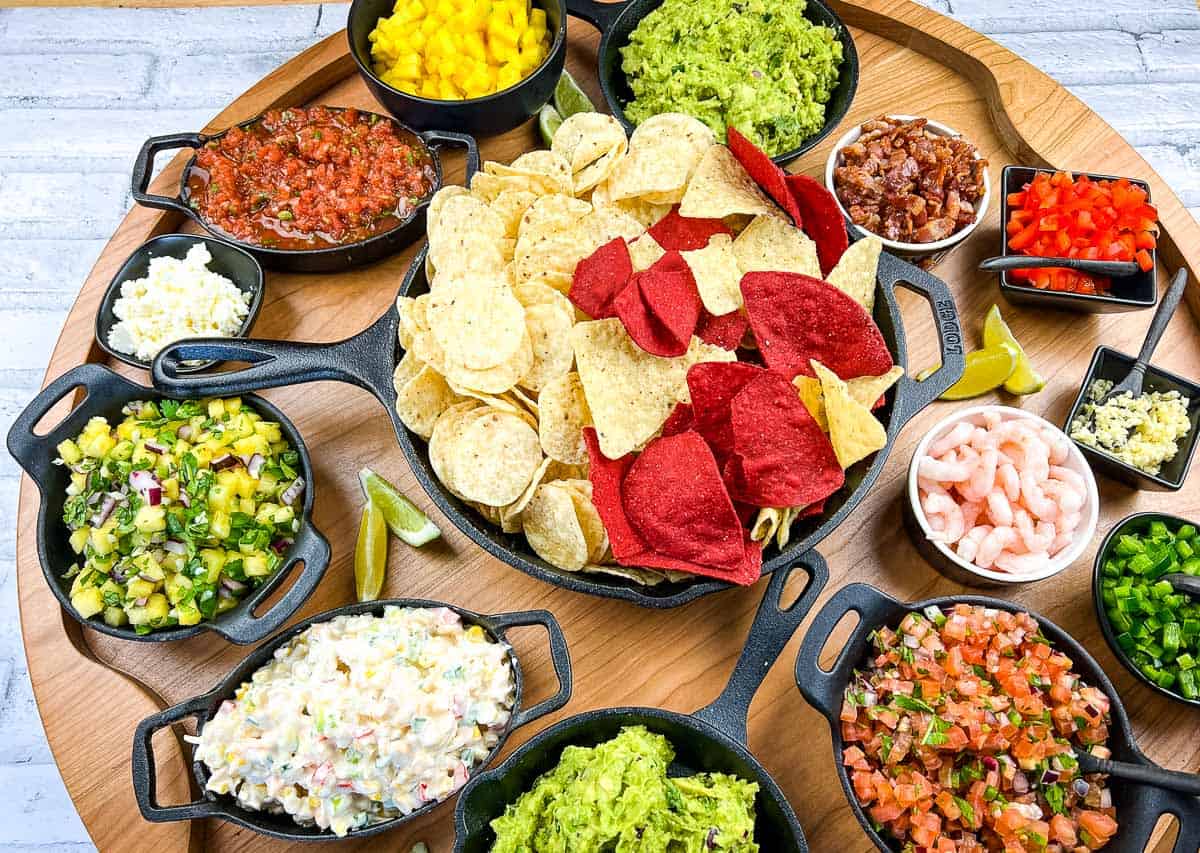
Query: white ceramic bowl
x,y
946,561
909,250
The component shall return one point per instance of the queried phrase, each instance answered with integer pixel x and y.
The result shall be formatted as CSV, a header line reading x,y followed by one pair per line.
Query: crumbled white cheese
x,y
177,299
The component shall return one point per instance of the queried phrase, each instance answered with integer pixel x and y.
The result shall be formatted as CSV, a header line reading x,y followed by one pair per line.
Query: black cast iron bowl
x,y
204,707
713,739
616,21
1138,806
330,259
368,360
1139,522
491,114
106,393
233,262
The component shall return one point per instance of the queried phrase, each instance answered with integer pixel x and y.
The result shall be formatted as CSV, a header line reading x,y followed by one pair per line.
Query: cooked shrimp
x,y
942,471
1067,522
1068,499
1035,499
1060,542
946,510
1034,537
968,546
924,484
1023,564
1010,481
1060,445
983,479
993,544
979,438
999,509
1069,477
960,434
992,419
971,511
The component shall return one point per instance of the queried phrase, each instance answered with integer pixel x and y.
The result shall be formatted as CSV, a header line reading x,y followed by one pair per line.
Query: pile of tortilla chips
x,y
629,352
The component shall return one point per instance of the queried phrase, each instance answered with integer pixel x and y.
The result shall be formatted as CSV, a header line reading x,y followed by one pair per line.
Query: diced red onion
x,y
147,577
990,763
155,447
223,461
93,499
1091,710
184,432
1049,777
222,592
174,547
154,495
912,641
232,585
255,465
106,507
1020,783
185,498
292,492
141,602
141,481
281,545
710,841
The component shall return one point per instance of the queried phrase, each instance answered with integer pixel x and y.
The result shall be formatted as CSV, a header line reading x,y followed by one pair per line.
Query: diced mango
x,y
88,602
150,519
79,538
69,452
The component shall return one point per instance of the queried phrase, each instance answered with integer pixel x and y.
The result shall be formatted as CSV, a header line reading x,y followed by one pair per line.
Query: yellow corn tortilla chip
x,y
664,151
492,457
421,399
644,252
563,415
552,528
509,516
510,207
588,517
721,187
856,272
433,213
718,277
784,534
492,380
765,524
478,323
853,430
643,211
541,172
771,245
468,237
645,577
593,144
630,392
864,389
550,336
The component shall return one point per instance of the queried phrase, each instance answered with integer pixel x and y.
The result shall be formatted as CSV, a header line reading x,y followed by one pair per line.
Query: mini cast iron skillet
x,y
204,708
616,21
491,114
106,393
1138,806
713,739
369,359
330,259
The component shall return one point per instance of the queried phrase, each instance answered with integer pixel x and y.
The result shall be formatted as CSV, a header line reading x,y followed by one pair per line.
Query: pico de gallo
x,y
310,178
1060,216
962,734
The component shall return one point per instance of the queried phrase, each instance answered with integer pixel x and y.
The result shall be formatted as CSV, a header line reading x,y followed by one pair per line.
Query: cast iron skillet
x,y
106,393
1138,806
713,739
329,259
491,114
204,707
616,21
369,358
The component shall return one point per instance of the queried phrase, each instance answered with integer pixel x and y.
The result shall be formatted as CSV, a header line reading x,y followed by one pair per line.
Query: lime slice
x,y
370,553
986,369
548,122
1024,380
401,515
569,98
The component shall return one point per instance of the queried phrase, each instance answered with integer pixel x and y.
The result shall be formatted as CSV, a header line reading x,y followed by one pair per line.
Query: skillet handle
x,y
916,396
824,690
143,166
34,452
771,631
246,628
437,138
364,360
145,786
559,654
602,16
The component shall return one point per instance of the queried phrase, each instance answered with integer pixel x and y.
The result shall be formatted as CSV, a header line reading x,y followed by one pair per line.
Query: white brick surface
x,y
81,89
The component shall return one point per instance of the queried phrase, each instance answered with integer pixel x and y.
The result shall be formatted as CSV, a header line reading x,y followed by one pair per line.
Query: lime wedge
x,y
401,515
370,554
569,98
1024,379
548,122
986,369
927,372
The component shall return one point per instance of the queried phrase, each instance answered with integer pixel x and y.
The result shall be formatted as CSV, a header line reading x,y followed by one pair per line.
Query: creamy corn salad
x,y
362,719
1144,431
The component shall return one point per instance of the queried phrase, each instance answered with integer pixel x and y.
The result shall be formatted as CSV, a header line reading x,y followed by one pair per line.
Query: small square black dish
x,y
1112,365
1128,294
236,264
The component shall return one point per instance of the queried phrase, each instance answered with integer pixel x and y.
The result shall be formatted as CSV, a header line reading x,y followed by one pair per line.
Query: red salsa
x,y
310,178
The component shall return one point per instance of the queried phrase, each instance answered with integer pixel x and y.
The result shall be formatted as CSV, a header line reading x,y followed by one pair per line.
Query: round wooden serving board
x,y
92,690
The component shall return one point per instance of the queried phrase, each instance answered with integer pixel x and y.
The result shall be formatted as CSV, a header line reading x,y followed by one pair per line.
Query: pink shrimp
x,y
1035,499
1010,481
941,470
931,486
1071,478
944,509
999,509
979,438
1067,522
993,545
1023,564
971,511
959,435
1060,445
1068,499
968,546
983,479
992,419
1060,542
1033,536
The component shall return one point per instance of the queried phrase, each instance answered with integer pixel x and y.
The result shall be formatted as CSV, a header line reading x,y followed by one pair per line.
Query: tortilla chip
x,y
856,272
720,187
865,390
853,430
644,252
771,245
564,415
715,269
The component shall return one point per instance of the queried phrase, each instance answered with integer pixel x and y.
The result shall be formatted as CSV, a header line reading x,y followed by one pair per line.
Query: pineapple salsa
x,y
178,512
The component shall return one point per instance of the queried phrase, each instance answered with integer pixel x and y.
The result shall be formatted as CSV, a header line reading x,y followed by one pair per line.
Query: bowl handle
x,y
602,16
246,628
436,138
558,654
823,690
914,395
772,629
35,452
144,774
143,166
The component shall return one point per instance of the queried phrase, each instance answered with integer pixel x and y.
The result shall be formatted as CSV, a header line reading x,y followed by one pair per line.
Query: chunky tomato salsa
x,y
962,734
310,178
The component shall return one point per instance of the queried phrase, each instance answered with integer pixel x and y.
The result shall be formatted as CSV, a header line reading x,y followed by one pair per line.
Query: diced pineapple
x,y
170,488
246,505
284,515
220,495
79,538
122,450
187,614
218,524
78,481
156,608
213,560
88,602
177,588
103,542
250,445
69,452
115,617
255,566
98,446
233,404
216,408
150,519
138,588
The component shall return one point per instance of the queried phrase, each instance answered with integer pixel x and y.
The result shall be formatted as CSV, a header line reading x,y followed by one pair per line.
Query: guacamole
x,y
616,796
757,65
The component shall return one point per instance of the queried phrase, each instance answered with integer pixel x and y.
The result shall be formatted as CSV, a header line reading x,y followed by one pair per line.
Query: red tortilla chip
x,y
680,420
746,573
606,476
796,318
674,498
724,331
660,307
765,173
782,457
683,234
600,277
712,386
811,510
823,220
